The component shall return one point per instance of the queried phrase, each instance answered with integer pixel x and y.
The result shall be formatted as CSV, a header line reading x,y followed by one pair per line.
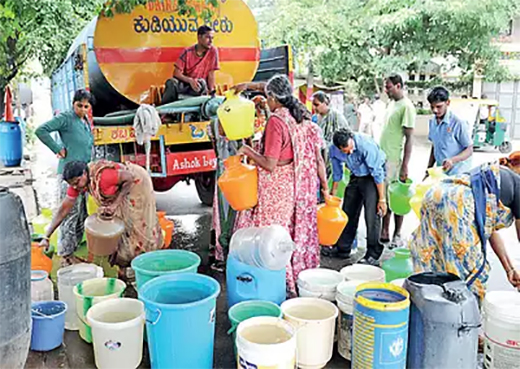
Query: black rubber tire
x,y
506,147
205,184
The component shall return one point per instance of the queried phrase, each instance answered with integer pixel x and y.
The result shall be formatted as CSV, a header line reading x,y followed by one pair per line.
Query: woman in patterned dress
x,y
124,190
460,212
289,164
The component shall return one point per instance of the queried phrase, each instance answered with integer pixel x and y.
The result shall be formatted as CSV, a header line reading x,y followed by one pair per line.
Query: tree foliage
x,y
367,39
45,29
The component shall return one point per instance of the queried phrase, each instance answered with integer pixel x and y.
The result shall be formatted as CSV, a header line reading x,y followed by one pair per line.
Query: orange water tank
x,y
40,261
331,221
130,52
239,184
167,227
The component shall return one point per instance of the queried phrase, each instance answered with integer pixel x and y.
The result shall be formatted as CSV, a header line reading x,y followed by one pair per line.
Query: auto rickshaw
x,y
487,126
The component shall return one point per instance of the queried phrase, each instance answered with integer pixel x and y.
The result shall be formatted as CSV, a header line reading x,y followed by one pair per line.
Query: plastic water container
x,y
319,282
315,322
360,272
117,333
11,144
90,293
345,300
237,116
266,342
246,282
265,247
399,196
161,262
502,329
41,286
250,309
444,322
67,278
40,224
399,266
48,325
180,320
380,335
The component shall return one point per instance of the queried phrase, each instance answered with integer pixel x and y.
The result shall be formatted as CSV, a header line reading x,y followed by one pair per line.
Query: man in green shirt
x,y
76,144
396,142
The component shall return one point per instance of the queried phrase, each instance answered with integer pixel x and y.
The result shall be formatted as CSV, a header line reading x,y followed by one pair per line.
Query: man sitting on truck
x,y
194,73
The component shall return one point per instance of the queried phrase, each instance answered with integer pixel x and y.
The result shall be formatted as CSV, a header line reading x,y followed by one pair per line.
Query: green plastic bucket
x,y
250,309
399,196
153,264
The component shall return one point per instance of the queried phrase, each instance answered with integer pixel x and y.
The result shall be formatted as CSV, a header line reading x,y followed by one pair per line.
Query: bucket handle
x,y
154,322
232,329
41,315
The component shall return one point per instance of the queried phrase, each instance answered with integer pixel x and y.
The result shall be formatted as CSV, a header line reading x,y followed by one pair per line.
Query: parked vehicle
x,y
125,61
488,132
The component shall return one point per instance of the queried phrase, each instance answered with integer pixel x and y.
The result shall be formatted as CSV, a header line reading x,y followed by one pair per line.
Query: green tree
x,y
45,29
363,40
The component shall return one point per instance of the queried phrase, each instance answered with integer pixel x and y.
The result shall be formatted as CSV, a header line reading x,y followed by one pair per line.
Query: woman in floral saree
x,y
289,164
124,190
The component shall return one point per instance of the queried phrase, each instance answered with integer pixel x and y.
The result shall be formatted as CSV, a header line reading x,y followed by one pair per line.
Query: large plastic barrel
x,y
380,335
444,322
180,320
11,146
15,285
246,282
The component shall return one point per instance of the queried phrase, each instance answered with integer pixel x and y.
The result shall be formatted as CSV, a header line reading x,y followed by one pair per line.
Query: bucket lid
x,y
319,279
38,275
503,305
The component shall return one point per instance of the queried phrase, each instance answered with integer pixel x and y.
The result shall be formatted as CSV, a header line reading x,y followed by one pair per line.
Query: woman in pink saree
x,y
289,165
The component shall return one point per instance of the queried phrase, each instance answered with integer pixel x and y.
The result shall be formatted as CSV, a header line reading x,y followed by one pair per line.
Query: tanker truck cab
x,y
126,60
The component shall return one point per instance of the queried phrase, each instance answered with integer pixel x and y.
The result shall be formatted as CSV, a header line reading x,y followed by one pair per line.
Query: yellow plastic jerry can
x,y
237,116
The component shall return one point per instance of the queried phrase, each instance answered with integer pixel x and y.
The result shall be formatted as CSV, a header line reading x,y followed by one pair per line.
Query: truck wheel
x,y
506,147
205,184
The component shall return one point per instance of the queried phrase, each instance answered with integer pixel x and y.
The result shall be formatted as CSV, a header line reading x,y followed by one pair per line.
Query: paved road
x,y
192,225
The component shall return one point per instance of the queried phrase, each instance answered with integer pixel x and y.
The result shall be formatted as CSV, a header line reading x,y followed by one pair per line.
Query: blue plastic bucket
x,y
48,325
246,282
180,320
11,144
380,335
157,263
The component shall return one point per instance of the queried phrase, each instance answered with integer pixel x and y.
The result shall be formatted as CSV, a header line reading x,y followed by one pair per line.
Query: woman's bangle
x,y
510,270
382,201
46,238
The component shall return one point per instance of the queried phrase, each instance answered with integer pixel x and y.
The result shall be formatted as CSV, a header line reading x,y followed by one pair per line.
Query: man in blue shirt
x,y
450,136
366,162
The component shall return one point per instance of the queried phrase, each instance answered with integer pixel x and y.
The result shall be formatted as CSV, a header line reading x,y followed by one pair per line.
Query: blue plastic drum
x,y
180,320
246,282
380,336
11,146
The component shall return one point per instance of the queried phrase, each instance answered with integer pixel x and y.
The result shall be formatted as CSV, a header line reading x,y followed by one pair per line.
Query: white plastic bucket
x,y
314,320
319,283
68,277
90,293
345,299
399,282
117,333
361,272
266,342
502,329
